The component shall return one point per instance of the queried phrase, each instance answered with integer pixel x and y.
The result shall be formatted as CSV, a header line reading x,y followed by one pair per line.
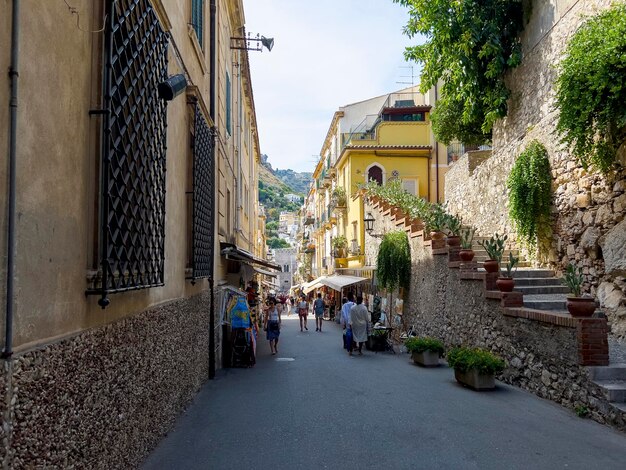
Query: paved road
x,y
327,410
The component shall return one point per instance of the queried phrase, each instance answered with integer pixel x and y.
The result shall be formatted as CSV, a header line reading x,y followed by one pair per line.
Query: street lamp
x,y
369,222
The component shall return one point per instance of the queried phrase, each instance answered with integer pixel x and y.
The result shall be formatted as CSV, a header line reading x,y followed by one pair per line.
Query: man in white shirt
x,y
345,322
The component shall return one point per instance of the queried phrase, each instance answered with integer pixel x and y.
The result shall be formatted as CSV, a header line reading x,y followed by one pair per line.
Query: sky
x,y
327,53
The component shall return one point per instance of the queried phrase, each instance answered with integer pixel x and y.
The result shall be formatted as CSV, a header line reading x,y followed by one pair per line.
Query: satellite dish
x,y
267,42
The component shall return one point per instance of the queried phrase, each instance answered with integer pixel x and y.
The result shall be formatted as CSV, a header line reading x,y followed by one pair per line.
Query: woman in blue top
x,y
272,324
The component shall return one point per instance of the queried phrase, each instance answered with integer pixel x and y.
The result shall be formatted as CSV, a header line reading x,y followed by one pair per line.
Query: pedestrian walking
x,y
345,321
303,312
359,325
318,309
272,324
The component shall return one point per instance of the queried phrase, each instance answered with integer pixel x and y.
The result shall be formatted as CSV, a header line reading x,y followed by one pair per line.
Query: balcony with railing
x,y
457,149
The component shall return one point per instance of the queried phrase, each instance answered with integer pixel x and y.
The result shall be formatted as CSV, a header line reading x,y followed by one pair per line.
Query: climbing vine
x,y
591,90
530,195
394,261
470,45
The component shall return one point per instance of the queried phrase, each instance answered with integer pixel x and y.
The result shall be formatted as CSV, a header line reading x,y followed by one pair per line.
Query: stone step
x,y
614,390
546,301
528,290
619,406
538,281
608,373
533,272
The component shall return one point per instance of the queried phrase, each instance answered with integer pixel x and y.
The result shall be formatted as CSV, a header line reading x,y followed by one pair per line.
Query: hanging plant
x,y
591,90
394,261
530,195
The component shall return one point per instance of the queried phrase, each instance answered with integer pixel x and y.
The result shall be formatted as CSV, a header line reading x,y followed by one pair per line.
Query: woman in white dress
x,y
359,325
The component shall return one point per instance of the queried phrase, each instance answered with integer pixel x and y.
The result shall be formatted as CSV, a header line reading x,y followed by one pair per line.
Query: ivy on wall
x,y
591,90
394,261
470,45
530,194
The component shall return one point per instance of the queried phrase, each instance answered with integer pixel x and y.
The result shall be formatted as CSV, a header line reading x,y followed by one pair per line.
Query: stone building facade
x,y
588,208
114,182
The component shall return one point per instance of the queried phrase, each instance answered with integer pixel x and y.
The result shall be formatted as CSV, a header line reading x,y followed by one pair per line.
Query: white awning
x,y
264,272
311,286
339,282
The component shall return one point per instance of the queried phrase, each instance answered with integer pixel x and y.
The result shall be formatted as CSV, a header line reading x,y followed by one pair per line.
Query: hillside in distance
x,y
298,182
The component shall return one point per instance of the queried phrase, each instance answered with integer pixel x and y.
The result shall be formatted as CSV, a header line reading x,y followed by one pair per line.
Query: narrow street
x,y
312,406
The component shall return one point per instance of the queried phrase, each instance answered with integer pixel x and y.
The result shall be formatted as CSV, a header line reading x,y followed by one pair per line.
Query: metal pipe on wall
x,y
13,102
212,67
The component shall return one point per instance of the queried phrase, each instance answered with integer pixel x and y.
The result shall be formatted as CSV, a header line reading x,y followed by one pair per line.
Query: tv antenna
x,y
412,76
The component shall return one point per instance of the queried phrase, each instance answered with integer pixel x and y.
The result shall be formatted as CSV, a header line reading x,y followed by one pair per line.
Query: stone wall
x,y
588,207
105,398
542,357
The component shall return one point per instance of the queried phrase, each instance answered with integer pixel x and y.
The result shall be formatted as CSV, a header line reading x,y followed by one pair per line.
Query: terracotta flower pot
x,y
453,240
505,284
491,266
581,306
466,255
437,235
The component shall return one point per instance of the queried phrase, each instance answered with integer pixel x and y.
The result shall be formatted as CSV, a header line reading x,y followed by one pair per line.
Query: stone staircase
x,y
612,380
544,291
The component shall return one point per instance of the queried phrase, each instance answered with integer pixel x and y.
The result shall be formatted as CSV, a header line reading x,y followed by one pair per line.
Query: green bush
x,y
394,261
419,345
530,193
464,359
591,90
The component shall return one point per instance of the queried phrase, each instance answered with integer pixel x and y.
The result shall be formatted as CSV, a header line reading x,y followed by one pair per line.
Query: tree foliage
x,y
276,242
591,90
469,45
530,192
394,261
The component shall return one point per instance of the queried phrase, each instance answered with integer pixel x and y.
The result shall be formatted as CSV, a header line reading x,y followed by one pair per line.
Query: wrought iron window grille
x,y
202,198
134,123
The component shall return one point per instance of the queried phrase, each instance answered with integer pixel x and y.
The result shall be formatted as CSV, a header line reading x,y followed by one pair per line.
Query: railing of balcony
x,y
401,100
458,149
366,129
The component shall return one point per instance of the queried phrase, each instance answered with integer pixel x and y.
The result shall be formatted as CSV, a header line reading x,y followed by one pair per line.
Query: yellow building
x,y
128,187
385,137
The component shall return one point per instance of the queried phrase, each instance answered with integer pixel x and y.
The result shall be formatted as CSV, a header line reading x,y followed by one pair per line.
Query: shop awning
x,y
230,251
265,272
314,284
339,282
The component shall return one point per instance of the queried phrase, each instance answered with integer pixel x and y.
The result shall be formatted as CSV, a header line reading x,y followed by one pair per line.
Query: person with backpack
x,y
318,309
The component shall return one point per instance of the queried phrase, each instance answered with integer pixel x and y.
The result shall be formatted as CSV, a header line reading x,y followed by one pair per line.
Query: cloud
x,y
326,54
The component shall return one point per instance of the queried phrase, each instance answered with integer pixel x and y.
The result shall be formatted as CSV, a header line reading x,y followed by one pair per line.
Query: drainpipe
x,y
212,66
13,74
436,156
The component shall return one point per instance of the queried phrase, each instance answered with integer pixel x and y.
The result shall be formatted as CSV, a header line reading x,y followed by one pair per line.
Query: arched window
x,y
375,173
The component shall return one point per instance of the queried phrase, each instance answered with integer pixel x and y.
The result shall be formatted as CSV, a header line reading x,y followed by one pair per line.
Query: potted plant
x,y
475,367
467,237
436,222
453,225
506,283
577,305
494,248
425,351
340,244
377,340
339,197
